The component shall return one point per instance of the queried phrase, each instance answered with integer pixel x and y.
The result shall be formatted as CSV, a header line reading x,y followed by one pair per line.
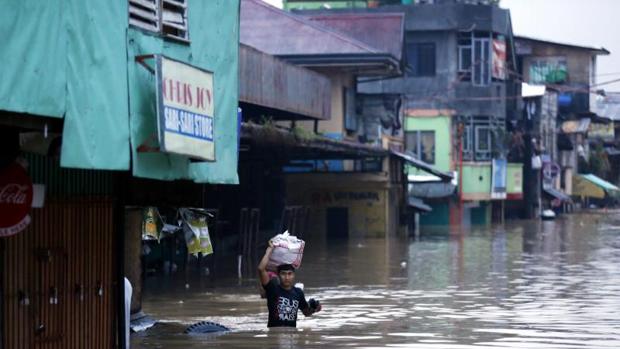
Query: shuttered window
x,y
167,17
144,14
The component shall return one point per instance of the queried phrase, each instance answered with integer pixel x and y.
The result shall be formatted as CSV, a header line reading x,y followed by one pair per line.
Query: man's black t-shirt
x,y
283,304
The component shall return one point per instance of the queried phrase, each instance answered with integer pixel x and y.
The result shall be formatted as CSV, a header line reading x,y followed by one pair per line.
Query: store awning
x,y
419,205
412,160
431,190
589,185
600,182
557,194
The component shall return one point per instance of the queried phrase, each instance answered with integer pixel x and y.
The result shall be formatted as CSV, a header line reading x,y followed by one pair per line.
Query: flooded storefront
x,y
527,284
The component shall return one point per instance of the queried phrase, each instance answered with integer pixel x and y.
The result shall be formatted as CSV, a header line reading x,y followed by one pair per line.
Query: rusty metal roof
x,y
270,83
385,31
275,142
278,32
308,43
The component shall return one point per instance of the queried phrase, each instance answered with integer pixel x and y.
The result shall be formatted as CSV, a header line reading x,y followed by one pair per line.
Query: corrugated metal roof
x,y
268,82
278,32
384,31
597,50
411,159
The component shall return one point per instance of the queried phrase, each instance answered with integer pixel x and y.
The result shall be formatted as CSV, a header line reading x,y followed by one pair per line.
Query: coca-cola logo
x,y
15,199
14,193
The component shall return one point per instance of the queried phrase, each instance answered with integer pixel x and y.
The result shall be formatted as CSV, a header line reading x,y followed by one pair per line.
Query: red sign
x,y
15,199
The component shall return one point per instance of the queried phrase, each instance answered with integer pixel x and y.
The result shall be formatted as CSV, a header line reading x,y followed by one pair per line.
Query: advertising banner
x,y
499,59
498,179
185,109
15,199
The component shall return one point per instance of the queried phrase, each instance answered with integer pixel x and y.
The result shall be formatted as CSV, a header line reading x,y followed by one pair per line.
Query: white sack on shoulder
x,y
288,249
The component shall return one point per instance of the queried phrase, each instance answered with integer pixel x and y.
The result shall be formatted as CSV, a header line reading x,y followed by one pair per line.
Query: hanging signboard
x,y
15,199
185,109
499,59
498,179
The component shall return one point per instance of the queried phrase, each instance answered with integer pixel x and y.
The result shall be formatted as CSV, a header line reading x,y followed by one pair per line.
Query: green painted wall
x,y
481,215
214,35
441,125
75,59
66,58
477,178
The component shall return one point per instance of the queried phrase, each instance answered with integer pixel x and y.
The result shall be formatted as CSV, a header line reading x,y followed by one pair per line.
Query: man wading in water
x,y
283,298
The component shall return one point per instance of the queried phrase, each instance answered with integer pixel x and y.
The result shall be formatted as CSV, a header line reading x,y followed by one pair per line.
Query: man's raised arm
x,y
262,266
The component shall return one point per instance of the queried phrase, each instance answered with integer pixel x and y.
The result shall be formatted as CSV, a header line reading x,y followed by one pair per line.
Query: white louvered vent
x,y
167,17
144,14
174,18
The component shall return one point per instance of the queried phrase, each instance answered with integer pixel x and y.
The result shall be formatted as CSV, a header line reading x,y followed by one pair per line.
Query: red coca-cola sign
x,y
15,199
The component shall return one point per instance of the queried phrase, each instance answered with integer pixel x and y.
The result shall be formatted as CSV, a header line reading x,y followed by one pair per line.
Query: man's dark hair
x,y
283,267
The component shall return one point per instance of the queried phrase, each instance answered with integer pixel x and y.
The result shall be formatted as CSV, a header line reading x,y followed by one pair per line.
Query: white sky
x,y
581,22
277,3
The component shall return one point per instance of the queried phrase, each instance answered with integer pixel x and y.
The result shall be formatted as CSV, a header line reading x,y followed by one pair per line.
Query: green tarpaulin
x,y
214,47
75,59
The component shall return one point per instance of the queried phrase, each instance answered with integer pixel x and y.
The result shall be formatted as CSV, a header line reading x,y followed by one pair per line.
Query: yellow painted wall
x,y
367,198
335,125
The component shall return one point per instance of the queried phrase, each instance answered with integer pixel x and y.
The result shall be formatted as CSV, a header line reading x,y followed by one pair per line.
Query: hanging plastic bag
x,y
196,232
288,249
151,224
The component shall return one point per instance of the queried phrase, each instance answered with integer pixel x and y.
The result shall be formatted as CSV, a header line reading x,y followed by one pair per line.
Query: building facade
x,y
83,98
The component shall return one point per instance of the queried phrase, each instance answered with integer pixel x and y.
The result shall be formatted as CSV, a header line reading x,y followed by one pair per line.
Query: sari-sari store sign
x,y
185,109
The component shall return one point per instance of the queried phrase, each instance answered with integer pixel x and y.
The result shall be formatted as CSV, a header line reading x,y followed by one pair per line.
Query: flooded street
x,y
522,285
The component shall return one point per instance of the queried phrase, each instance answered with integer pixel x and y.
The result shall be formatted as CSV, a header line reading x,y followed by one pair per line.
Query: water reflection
x,y
524,285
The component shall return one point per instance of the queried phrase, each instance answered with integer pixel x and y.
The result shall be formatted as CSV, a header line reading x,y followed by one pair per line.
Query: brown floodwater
x,y
526,284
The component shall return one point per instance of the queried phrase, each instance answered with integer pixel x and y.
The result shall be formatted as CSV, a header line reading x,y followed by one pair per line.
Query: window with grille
x,y
167,17
479,137
481,72
474,57
421,144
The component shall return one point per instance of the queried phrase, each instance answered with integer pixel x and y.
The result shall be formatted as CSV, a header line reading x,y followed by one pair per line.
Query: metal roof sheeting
x,y
278,32
272,83
410,158
418,204
385,31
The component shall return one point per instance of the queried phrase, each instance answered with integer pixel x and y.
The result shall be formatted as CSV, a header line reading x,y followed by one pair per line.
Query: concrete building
x,y
348,197
570,71
459,91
